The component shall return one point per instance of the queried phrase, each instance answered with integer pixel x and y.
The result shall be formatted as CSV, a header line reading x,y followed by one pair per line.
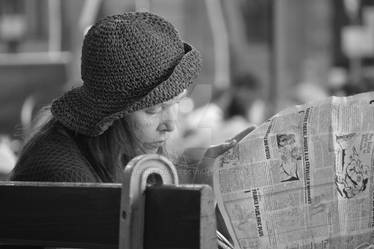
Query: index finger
x,y
244,133
216,150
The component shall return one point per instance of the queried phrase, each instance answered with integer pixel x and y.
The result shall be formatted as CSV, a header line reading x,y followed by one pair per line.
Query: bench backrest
x,y
131,215
87,215
60,214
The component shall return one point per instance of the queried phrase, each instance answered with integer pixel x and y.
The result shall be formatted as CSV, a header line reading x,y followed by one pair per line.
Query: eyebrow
x,y
171,101
177,98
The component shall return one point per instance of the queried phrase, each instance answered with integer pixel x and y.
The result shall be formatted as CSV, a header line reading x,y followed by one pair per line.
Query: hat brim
x,y
82,114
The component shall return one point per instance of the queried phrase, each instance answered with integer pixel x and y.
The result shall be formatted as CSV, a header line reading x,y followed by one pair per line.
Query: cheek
x,y
144,128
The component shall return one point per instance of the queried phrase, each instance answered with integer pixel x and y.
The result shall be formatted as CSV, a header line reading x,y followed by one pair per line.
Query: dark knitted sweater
x,y
54,156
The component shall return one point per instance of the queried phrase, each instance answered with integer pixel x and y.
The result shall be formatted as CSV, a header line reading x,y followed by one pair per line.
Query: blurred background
x,y
259,56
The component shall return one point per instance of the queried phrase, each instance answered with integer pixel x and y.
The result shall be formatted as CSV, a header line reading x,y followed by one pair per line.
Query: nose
x,y
168,120
167,126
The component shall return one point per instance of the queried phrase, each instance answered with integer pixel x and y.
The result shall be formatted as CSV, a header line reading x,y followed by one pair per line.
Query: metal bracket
x,y
136,174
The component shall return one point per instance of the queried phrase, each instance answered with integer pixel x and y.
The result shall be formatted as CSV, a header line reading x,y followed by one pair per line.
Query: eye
x,y
154,109
179,101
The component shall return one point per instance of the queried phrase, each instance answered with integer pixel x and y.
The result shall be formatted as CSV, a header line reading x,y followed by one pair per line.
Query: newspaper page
x,y
303,179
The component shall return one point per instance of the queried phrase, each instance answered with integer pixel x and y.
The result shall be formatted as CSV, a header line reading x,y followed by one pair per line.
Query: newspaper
x,y
303,179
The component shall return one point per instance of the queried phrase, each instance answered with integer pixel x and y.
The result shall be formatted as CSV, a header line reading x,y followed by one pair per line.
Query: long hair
x,y
110,152
107,153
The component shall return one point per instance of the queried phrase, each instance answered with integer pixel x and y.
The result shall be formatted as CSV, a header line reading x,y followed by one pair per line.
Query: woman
x,y
135,69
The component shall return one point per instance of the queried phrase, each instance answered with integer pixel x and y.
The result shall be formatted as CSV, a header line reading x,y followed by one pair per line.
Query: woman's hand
x,y
205,169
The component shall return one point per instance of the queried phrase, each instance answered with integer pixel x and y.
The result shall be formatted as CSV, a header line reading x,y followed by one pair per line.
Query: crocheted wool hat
x,y
129,62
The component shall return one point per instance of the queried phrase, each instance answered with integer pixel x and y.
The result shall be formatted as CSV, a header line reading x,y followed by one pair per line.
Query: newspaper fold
x,y
303,179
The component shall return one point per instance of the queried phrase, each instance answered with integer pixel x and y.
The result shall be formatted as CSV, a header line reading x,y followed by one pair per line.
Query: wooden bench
x,y
134,214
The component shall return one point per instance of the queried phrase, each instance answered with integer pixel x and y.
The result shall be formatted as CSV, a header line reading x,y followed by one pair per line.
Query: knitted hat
x,y
129,62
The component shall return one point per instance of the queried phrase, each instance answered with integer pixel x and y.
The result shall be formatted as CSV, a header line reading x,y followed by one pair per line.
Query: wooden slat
x,y
179,217
60,214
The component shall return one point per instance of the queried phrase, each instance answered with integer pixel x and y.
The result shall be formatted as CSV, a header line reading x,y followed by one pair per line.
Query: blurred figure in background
x,y
366,84
307,92
340,84
229,112
337,79
245,100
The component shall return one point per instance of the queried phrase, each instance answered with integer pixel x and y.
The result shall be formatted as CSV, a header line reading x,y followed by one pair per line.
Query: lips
x,y
158,143
154,145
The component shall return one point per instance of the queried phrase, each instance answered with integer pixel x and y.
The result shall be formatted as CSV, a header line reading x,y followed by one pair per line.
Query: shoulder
x,y
53,156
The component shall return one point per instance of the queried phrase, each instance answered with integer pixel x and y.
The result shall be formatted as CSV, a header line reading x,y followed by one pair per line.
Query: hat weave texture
x,y
129,62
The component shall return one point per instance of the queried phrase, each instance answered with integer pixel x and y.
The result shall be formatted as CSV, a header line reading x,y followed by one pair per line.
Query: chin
x,y
152,149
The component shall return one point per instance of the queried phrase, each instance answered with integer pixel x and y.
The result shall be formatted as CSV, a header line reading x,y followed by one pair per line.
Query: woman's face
x,y
152,126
